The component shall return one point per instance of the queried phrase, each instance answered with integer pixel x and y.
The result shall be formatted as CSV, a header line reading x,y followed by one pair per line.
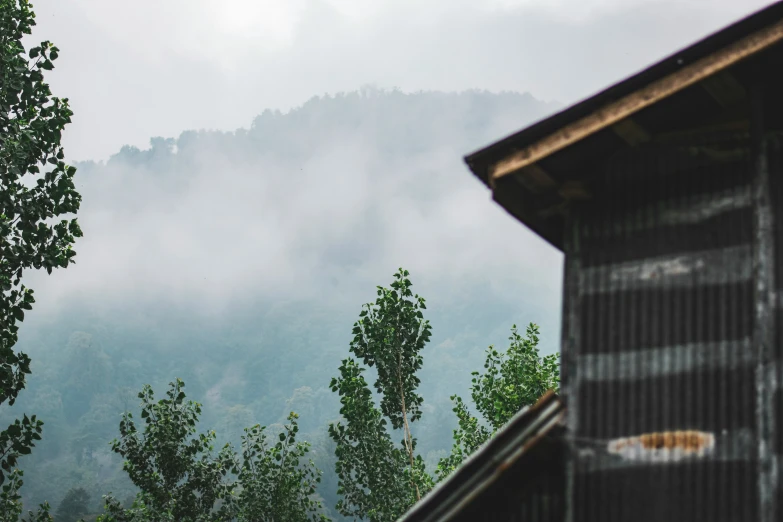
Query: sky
x,y
146,68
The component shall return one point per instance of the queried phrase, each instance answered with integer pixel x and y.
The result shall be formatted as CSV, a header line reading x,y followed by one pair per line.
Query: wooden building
x,y
665,194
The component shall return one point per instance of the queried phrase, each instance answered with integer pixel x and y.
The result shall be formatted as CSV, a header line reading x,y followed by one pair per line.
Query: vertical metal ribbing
x,y
763,264
569,350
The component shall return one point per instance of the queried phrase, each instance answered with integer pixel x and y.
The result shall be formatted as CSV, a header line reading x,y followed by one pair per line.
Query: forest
x,y
236,338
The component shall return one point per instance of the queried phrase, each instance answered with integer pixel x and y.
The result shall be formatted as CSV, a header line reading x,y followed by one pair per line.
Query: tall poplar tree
x,y
379,480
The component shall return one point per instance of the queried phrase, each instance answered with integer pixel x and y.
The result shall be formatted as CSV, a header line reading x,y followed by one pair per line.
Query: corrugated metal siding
x,y
660,329
775,155
530,491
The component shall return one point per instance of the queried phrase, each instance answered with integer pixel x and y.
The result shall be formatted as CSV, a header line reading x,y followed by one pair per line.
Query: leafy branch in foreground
x,y
11,502
35,186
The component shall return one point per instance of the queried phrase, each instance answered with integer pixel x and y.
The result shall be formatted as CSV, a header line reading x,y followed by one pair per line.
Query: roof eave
x,y
670,75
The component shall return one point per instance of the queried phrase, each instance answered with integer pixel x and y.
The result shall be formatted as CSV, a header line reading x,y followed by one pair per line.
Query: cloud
x,y
320,204
214,65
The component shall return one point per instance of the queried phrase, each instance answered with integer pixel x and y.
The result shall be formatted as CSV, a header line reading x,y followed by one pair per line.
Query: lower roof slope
x,y
525,451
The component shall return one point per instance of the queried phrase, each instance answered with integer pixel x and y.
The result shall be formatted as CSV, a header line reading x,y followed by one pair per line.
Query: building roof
x,y
526,447
536,173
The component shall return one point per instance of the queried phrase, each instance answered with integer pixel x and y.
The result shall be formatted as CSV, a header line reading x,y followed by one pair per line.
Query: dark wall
x,y
659,329
531,490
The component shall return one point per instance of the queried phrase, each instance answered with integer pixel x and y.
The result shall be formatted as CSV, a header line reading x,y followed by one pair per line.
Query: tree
x,y
512,380
37,186
180,480
275,485
86,372
174,468
11,502
377,480
73,506
373,474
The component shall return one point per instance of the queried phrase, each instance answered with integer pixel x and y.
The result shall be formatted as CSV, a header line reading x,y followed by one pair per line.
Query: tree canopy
x,y
511,380
74,506
36,188
180,478
378,481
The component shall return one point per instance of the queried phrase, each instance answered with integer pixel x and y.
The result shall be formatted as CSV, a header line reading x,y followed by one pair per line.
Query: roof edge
x,y
707,56
654,92
501,451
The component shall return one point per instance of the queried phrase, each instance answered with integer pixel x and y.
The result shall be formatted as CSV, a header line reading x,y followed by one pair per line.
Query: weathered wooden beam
x,y
764,295
624,107
570,348
574,191
631,132
720,155
725,89
735,124
553,210
536,179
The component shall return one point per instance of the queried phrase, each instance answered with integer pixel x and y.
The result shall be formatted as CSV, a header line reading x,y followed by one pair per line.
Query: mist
x,y
321,203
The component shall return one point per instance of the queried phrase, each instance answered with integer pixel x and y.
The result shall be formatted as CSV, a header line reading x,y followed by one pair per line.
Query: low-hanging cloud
x,y
320,204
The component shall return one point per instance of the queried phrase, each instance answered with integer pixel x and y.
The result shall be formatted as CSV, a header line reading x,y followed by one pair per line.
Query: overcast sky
x,y
157,67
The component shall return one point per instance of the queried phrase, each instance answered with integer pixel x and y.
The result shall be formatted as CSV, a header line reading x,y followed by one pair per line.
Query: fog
x,y
319,204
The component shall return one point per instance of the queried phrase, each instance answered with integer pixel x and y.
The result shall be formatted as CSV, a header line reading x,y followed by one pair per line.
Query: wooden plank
x,y
764,295
570,348
737,126
553,210
631,132
725,89
574,191
656,91
536,179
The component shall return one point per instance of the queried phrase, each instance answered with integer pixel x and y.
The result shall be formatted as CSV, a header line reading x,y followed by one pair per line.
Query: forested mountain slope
x,y
238,261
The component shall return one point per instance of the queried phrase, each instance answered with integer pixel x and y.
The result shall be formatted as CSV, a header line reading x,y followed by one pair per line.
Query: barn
x,y
665,194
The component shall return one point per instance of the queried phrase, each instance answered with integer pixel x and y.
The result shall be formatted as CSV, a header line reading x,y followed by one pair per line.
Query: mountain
x,y
239,261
